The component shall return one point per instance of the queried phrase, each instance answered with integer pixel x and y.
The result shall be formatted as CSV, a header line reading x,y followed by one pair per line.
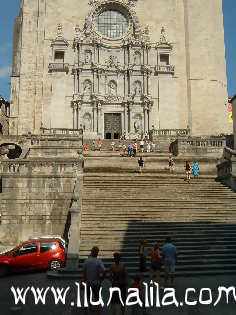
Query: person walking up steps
x,y
188,171
140,164
169,253
171,164
195,168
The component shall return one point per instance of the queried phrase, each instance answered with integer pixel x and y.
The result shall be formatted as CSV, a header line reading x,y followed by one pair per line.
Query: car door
x,y
25,257
48,251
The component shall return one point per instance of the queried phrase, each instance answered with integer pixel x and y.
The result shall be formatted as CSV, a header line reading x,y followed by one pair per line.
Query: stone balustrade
x,y
198,145
60,67
165,69
61,131
49,167
170,132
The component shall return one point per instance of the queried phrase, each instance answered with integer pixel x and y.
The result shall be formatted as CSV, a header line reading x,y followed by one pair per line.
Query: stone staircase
x,y
120,209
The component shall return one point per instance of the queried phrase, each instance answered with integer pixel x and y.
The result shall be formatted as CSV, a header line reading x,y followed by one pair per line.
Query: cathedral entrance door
x,y
112,126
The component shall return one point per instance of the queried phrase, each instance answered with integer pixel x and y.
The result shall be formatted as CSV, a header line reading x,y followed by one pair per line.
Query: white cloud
x,y
5,72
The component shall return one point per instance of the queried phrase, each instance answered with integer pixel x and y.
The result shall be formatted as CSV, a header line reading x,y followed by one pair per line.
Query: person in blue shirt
x,y
169,253
130,150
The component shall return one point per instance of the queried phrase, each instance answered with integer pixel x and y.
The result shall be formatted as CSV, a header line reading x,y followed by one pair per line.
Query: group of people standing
x,y
165,256
189,168
94,273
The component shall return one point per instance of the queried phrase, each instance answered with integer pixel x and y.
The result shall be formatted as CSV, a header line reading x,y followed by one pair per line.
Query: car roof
x,y
42,240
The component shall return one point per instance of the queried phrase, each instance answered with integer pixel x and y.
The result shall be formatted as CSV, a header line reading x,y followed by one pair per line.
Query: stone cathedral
x,y
115,66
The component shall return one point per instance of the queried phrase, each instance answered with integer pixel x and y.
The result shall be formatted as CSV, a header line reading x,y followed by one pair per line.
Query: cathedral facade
x,y
119,66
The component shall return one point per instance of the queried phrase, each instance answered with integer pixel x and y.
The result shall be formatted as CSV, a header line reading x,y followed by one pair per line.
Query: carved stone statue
x,y
87,123
87,87
112,88
163,37
77,32
137,88
137,58
59,31
138,124
88,56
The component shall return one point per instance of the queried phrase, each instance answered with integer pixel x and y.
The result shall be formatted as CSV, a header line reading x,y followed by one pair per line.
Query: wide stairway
x,y
121,209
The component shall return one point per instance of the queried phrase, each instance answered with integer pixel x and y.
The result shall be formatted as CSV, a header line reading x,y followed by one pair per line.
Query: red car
x,y
42,253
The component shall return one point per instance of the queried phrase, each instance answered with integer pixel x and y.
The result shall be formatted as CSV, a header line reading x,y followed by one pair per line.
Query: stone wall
x,y
36,197
37,189
233,102
226,169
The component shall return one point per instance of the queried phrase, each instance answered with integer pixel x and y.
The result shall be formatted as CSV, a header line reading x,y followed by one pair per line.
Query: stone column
x,y
145,118
74,241
131,121
95,118
126,119
99,119
74,108
149,117
78,115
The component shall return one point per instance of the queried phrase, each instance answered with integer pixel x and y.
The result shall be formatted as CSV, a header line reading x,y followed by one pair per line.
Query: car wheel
x,y
55,264
4,270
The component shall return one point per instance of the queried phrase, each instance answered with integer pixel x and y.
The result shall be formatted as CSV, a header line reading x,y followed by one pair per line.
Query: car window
x,y
44,247
26,249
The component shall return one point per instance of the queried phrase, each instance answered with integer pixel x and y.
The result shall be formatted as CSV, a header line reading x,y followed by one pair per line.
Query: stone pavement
x,y
40,280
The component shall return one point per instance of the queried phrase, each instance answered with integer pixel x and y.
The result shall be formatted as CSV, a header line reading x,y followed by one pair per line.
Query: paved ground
x,y
40,280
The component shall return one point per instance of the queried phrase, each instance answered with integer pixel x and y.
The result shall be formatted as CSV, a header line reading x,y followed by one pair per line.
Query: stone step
x,y
184,254
120,209
128,249
178,235
129,262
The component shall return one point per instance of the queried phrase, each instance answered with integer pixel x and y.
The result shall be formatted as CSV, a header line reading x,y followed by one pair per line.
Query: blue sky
x,y
10,8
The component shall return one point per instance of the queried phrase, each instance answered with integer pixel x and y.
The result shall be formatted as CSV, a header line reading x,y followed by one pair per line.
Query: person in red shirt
x,y
134,146
156,263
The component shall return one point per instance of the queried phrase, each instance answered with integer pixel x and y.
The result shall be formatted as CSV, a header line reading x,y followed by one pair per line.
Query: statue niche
x,y
87,87
138,126
137,88
88,57
112,88
87,122
137,58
